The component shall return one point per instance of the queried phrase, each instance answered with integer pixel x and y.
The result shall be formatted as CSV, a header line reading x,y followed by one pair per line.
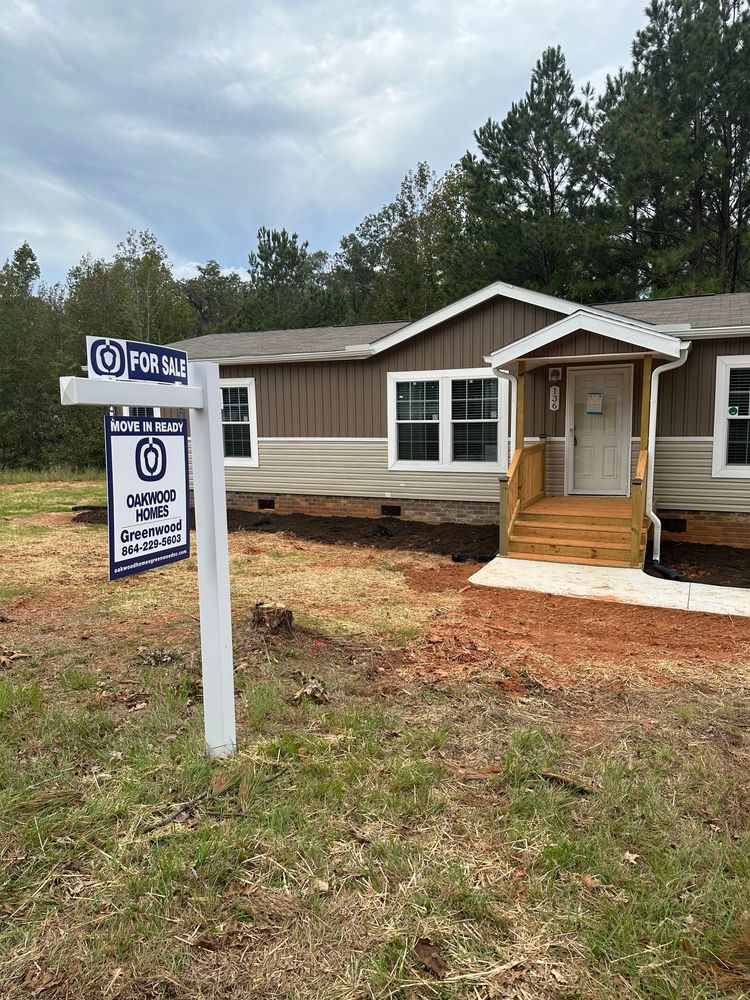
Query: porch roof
x,y
622,338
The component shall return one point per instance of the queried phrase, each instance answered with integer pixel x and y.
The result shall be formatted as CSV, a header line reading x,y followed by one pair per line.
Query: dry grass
x,y
414,805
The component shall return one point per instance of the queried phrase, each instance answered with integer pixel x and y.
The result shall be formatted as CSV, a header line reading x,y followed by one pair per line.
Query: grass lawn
x,y
456,817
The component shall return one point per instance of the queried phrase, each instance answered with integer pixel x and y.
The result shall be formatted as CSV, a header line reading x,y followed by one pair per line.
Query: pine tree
x,y
534,182
677,146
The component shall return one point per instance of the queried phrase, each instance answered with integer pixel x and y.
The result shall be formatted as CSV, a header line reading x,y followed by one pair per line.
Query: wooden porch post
x,y
646,399
638,493
520,402
503,543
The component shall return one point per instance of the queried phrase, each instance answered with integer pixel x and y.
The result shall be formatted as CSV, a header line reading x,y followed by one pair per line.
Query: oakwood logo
x,y
108,358
150,459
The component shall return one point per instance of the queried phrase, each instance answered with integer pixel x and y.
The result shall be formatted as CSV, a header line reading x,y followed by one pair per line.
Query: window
x,y
141,411
418,421
238,421
446,421
474,415
731,458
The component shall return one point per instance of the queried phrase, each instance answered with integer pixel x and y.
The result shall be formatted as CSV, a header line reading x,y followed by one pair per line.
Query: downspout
x,y
653,405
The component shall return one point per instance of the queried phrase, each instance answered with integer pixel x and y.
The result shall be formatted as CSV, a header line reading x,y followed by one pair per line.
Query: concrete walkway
x,y
611,583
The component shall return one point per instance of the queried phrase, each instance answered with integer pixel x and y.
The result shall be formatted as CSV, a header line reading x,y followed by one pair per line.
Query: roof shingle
x,y
267,343
700,311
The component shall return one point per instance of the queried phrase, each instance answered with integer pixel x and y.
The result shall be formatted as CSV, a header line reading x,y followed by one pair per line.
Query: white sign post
x,y
202,396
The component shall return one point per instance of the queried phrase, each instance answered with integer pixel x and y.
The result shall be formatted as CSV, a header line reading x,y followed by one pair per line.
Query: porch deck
x,y
577,529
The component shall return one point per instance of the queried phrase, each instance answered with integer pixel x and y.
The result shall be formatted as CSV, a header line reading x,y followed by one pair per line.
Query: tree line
x,y
641,190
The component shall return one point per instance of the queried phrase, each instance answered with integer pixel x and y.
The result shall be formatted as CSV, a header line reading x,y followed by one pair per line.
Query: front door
x,y
598,410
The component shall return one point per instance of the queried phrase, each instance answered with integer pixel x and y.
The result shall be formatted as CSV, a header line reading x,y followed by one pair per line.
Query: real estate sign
x,y
147,492
134,361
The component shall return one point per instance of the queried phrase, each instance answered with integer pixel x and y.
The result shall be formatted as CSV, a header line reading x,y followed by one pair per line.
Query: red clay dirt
x,y
505,631
513,634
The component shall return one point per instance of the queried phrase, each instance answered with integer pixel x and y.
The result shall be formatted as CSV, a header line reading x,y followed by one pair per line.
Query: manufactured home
x,y
576,429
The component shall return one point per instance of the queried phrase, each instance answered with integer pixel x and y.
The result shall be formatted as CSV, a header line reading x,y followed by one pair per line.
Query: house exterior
x,y
503,400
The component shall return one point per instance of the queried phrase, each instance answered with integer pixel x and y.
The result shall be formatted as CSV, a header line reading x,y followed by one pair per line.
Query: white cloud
x,y
202,125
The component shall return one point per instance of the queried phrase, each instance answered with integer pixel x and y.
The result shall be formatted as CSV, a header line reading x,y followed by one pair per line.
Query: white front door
x,y
598,410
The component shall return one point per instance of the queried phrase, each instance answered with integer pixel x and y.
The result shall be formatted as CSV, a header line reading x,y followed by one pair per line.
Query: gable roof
x,y
640,335
700,311
350,342
264,344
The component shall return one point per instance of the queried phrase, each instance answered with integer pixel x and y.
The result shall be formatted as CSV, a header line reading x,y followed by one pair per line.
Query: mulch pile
x,y
714,564
471,542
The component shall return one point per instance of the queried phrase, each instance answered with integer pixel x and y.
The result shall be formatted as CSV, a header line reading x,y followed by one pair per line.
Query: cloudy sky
x,y
203,120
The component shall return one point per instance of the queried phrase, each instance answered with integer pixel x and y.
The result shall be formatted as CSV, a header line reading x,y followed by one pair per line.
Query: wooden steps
x,y
589,530
570,529
565,559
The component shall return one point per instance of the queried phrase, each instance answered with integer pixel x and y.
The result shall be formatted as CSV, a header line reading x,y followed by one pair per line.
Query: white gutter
x,y
261,359
714,332
670,366
509,377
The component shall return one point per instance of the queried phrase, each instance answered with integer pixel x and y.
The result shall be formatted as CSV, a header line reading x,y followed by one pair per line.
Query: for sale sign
x,y
131,360
147,487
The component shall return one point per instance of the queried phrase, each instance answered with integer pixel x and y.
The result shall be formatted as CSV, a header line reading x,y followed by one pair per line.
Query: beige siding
x,y
555,481
352,468
360,468
682,476
683,479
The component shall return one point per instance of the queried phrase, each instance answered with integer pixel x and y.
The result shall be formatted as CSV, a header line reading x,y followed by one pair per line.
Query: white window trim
x,y
156,409
253,461
720,469
445,464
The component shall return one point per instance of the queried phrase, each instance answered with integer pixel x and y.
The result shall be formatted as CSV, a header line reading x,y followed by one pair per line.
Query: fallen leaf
x,y
630,859
205,941
314,689
429,955
7,657
360,836
39,980
319,885
480,773
591,882
563,779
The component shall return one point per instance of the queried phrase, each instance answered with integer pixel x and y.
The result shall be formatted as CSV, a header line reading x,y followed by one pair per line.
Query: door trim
x,y
625,430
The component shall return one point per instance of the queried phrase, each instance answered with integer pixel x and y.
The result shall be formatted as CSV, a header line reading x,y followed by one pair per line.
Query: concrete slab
x,y
611,583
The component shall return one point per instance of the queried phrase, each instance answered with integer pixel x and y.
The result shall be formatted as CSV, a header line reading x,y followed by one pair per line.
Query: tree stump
x,y
272,617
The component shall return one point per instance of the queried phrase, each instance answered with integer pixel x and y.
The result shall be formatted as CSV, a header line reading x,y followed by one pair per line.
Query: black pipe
x,y
667,572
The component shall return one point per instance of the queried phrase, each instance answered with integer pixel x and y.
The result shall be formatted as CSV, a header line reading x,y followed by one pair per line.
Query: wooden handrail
x,y
523,485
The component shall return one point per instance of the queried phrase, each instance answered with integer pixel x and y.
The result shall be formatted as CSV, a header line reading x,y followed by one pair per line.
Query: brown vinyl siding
x,y
348,398
687,395
582,343
539,419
